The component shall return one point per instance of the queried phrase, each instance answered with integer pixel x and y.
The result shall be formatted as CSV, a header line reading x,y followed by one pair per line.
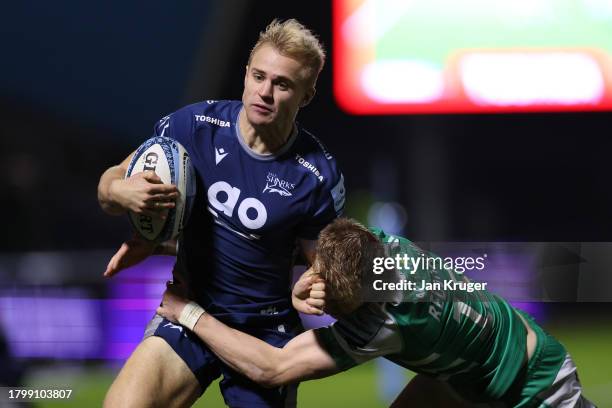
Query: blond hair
x,y
345,252
292,39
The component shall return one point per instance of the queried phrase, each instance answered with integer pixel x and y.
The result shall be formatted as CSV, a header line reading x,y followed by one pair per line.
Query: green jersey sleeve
x,y
367,333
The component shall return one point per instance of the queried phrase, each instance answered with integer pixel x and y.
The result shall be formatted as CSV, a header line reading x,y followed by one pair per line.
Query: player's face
x,y
275,87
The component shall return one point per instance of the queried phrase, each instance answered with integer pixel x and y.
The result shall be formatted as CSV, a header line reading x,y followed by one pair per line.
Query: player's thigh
x,y
240,392
426,392
153,376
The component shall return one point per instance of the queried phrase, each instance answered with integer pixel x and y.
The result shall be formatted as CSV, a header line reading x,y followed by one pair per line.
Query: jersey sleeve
x,y
367,333
328,204
177,126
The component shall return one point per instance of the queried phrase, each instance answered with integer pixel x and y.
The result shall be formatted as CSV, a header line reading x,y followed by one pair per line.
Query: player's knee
x,y
129,390
144,379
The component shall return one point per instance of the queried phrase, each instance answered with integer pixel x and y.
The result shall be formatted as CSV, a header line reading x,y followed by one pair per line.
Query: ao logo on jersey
x,y
226,203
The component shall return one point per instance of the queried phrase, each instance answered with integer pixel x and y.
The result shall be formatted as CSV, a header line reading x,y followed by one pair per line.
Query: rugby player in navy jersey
x,y
264,184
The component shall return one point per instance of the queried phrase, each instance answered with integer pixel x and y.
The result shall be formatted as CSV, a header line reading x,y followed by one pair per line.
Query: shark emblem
x,y
273,189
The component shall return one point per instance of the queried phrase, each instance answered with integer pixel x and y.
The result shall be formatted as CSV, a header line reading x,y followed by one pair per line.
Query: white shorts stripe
x,y
566,391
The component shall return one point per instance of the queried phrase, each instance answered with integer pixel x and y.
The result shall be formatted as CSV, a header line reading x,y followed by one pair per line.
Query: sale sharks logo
x,y
276,185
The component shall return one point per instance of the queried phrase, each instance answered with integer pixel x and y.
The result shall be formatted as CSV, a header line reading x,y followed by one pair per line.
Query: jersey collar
x,y
269,156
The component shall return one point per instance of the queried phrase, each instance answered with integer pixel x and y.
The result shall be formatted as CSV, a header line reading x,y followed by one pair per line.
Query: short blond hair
x,y
292,39
345,252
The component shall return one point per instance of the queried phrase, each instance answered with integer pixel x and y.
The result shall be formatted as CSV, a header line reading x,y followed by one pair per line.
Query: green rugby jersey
x,y
473,340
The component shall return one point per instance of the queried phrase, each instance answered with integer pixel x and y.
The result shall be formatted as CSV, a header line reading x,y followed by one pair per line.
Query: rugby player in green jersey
x,y
468,348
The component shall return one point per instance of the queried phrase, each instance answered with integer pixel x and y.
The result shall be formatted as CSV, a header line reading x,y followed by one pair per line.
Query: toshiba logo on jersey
x,y
309,166
212,121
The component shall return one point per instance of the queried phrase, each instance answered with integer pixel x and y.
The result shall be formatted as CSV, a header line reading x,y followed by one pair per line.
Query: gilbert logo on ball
x,y
170,161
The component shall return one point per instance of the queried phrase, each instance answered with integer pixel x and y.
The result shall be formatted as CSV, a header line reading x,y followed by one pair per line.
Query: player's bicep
x,y
304,358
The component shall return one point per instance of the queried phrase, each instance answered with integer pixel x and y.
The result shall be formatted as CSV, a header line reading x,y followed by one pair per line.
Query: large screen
x,y
462,56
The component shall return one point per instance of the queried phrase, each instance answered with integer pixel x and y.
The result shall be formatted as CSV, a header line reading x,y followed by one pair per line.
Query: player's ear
x,y
310,93
246,74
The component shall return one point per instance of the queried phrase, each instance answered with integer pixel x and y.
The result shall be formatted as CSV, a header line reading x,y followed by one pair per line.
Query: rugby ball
x,y
170,161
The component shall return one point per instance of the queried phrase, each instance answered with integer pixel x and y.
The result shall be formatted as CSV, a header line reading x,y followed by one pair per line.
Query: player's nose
x,y
266,90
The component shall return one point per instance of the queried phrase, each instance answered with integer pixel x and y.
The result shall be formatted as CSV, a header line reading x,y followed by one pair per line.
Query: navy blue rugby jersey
x,y
237,249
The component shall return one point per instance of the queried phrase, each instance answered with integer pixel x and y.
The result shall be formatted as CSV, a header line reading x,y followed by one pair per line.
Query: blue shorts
x,y
238,391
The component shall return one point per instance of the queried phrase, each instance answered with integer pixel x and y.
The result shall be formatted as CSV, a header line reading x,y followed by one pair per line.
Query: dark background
x,y
84,84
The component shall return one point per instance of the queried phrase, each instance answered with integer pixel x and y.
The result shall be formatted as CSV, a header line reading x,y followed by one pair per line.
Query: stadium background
x,y
82,85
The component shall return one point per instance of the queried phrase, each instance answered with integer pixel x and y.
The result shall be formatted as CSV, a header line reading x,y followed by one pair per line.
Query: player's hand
x,y
308,295
144,193
173,302
129,254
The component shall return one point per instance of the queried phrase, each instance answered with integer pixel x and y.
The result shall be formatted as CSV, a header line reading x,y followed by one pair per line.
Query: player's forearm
x,y
302,358
246,354
105,195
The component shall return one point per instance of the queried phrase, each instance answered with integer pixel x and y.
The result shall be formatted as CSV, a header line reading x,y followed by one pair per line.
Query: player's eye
x,y
258,76
283,86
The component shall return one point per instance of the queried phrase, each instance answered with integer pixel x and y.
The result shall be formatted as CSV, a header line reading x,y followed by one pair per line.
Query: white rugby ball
x,y
170,161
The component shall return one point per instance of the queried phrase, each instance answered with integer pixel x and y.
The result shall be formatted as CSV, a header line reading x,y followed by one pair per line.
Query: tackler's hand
x,y
173,302
308,295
